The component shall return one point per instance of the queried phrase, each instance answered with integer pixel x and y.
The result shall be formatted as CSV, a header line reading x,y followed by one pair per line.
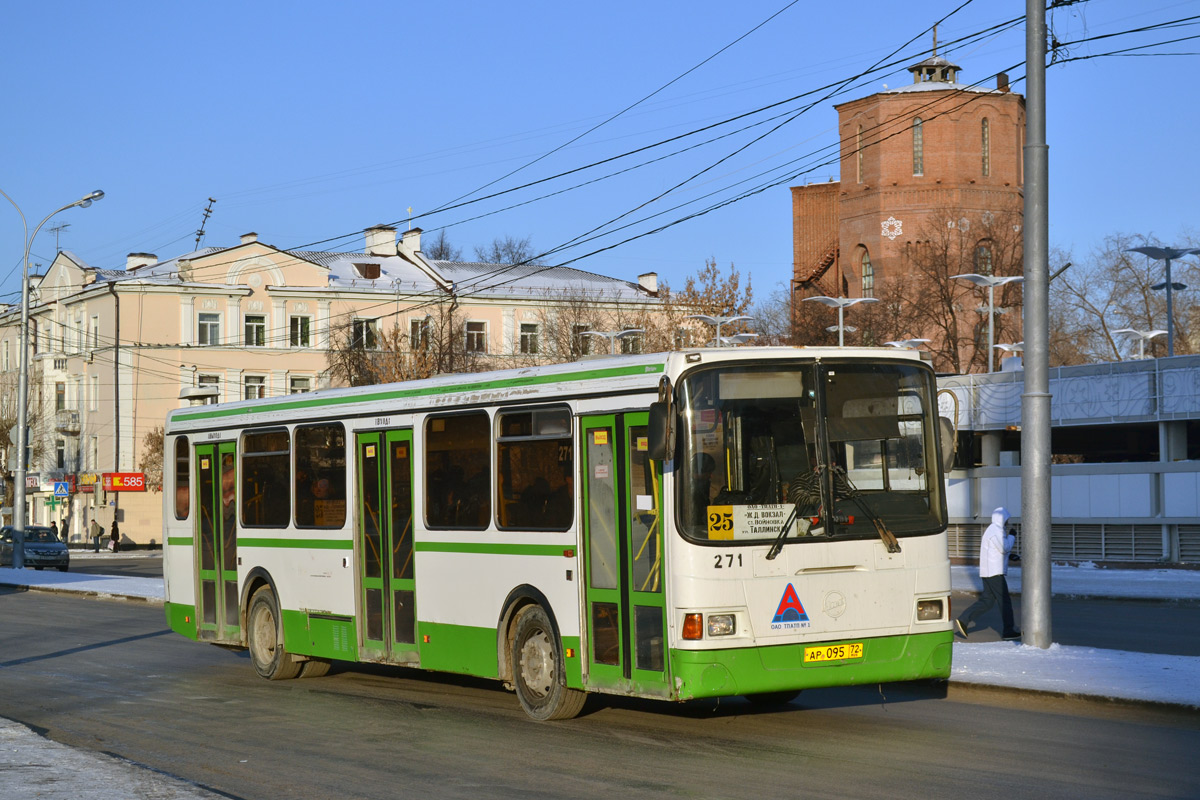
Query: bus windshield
x,y
850,447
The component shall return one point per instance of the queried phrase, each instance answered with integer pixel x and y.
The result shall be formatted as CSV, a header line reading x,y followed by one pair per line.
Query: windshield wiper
x,y
804,523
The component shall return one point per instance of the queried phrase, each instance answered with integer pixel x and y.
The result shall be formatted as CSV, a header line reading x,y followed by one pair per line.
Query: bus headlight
x,y
929,609
722,624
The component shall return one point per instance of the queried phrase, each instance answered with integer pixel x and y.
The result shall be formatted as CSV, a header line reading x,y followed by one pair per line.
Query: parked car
x,y
43,548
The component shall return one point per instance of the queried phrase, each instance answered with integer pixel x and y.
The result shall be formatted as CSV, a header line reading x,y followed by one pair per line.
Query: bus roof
x,y
616,375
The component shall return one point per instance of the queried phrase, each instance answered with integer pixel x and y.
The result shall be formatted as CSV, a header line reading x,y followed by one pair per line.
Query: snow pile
x,y
1080,671
105,585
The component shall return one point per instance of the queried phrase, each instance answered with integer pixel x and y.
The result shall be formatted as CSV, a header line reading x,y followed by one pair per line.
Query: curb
x,y
1156,705
132,598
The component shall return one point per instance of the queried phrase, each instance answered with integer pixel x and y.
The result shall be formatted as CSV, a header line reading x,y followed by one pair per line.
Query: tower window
x,y
868,274
918,147
987,147
859,154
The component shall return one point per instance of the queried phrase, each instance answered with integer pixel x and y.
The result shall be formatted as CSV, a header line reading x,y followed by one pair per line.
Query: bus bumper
x,y
722,673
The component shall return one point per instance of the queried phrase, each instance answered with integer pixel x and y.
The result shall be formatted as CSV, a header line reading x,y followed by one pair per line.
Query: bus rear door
x,y
623,553
387,577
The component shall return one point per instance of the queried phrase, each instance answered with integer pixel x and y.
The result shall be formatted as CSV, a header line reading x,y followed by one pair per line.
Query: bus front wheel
x,y
537,669
264,634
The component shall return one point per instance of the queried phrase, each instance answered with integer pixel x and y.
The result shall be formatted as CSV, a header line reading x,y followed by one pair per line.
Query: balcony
x,y
66,422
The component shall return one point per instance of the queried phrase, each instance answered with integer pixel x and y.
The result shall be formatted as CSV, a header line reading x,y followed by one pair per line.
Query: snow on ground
x,y
1088,580
34,766
1080,671
105,585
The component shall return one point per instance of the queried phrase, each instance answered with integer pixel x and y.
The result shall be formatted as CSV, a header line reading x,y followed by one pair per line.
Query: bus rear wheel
x,y
538,673
264,634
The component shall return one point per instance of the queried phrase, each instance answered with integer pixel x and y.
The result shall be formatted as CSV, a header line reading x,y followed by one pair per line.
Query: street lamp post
x,y
612,337
841,304
718,322
22,442
991,284
1142,337
1166,254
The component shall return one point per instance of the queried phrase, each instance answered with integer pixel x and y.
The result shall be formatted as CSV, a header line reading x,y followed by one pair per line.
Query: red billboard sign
x,y
124,481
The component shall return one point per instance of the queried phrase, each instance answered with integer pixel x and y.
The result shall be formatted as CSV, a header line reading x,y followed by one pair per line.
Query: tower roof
x,y
934,69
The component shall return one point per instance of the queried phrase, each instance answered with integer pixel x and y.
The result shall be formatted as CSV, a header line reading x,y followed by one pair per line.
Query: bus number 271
x,y
726,560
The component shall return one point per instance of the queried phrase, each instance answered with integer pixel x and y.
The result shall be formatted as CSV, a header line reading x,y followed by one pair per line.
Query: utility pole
x,y
1035,401
207,213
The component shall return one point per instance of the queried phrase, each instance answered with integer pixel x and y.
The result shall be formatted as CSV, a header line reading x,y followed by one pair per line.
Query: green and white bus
x,y
705,523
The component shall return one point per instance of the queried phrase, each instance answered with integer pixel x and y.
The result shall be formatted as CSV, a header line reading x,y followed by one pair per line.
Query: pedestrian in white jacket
x,y
994,548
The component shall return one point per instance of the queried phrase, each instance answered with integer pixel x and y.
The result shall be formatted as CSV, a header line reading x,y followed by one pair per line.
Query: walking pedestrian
x,y
96,531
115,535
994,549
54,528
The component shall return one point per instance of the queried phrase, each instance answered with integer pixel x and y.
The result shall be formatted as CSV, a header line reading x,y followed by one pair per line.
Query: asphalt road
x,y
143,565
108,676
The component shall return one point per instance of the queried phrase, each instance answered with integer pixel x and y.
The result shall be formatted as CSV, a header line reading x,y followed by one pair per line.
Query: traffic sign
x,y
61,489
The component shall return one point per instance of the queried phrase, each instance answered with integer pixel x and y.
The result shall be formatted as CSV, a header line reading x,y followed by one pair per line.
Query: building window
x,y
868,274
213,381
631,344
94,333
987,148
918,147
255,387
6,362
299,385
256,330
93,392
581,343
60,396
418,335
858,157
60,454
983,258
365,334
476,337
210,329
529,338
299,332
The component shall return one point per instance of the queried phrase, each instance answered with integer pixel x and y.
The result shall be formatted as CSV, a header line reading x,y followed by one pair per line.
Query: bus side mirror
x,y
659,445
948,439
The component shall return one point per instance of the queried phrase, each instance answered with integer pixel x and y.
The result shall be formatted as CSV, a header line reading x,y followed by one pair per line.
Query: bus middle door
x,y
623,552
218,608
387,580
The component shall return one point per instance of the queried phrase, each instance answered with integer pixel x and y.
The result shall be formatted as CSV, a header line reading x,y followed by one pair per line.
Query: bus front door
x,y
623,555
217,612
387,579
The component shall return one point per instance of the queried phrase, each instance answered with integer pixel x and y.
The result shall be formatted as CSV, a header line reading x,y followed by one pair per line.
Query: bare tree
x,y
1114,289
439,248
361,355
152,458
508,250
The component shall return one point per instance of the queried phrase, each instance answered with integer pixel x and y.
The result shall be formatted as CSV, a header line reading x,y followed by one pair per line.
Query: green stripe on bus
x,y
300,544
399,394
180,540
492,548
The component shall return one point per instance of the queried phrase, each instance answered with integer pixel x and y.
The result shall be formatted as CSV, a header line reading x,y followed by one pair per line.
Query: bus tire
x,y
772,699
315,668
264,635
537,669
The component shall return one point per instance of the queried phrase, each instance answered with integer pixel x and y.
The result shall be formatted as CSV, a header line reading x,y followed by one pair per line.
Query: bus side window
x,y
183,487
535,463
458,476
321,476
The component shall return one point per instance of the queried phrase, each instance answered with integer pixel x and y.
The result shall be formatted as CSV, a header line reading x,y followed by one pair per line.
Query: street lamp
x,y
612,337
908,344
23,376
733,341
991,284
1142,337
718,322
841,304
1167,254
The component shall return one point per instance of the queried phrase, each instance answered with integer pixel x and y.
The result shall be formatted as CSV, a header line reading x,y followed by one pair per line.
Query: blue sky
x,y
308,121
